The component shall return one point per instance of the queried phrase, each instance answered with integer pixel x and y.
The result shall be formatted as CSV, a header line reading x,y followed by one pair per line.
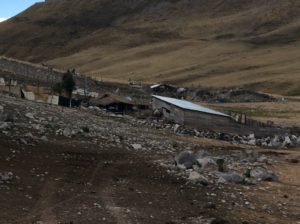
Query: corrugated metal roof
x,y
109,98
155,86
189,105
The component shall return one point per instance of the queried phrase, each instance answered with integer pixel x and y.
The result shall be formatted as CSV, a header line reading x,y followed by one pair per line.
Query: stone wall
x,y
39,73
31,71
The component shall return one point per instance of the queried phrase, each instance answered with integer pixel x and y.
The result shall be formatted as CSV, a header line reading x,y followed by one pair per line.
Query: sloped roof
x,y
159,85
109,98
189,105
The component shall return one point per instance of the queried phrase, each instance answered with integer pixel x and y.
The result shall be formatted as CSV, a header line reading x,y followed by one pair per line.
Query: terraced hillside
x,y
248,43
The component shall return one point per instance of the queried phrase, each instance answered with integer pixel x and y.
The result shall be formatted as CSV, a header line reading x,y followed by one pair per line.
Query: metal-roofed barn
x,y
202,118
190,114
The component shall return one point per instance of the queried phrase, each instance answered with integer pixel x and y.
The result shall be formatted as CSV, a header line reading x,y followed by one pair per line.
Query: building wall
x,y
203,120
170,112
15,90
228,125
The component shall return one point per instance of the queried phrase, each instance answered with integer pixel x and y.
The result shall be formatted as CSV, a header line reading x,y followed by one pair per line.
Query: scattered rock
x,y
263,174
207,162
229,177
275,142
202,154
7,176
287,142
263,159
176,127
251,137
67,132
186,160
195,177
4,126
252,142
29,135
23,141
30,116
136,146
44,138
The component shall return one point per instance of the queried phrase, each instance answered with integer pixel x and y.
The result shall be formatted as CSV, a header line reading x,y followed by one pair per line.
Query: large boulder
x,y
6,176
195,177
67,132
230,177
186,160
30,116
261,173
136,146
251,137
176,127
287,142
4,126
275,142
252,142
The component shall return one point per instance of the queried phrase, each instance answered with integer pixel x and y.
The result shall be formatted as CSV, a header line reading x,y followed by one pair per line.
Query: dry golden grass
x,y
254,44
286,114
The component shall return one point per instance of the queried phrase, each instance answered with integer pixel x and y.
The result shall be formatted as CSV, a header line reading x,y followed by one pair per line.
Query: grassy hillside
x,y
250,43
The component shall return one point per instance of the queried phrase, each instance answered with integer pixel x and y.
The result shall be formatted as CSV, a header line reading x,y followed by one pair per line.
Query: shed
x,y
199,117
161,88
27,95
65,102
113,103
82,92
190,114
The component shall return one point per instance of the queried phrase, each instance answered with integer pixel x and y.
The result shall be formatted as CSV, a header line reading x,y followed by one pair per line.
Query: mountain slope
x,y
252,43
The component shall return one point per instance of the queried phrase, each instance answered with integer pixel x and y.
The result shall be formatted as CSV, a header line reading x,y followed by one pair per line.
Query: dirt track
x,y
65,184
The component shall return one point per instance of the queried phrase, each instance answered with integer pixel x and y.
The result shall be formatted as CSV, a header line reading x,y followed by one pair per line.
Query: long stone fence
x,y
29,70
38,72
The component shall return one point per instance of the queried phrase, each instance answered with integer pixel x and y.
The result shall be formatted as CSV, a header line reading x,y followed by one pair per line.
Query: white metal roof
x,y
155,86
189,105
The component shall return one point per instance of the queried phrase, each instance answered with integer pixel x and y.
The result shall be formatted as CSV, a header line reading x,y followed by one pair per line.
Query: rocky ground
x,y
61,165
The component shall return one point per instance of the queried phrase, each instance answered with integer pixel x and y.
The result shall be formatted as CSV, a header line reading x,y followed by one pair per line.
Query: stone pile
x,y
277,141
247,167
29,123
7,177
